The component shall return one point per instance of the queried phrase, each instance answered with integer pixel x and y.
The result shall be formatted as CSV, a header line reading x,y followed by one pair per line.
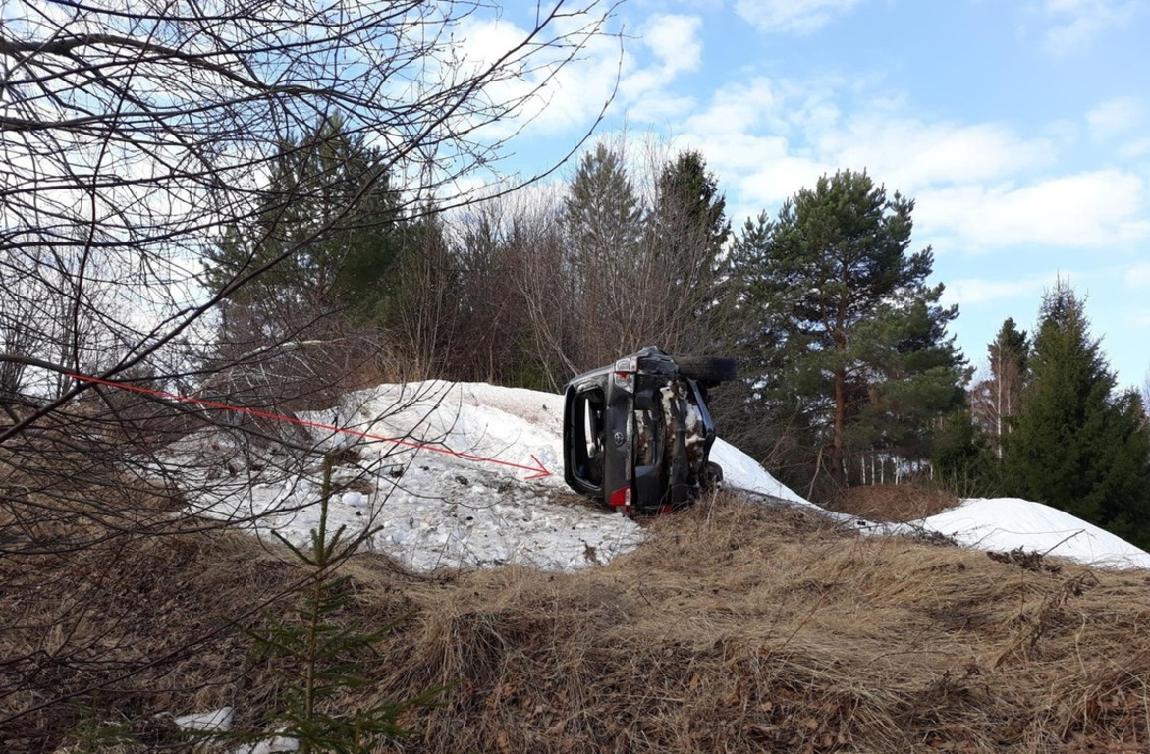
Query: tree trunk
x,y
840,423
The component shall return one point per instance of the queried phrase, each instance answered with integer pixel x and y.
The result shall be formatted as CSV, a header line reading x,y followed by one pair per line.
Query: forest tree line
x,y
849,372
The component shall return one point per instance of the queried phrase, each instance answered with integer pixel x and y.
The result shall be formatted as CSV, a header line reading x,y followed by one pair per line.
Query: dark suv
x,y
637,435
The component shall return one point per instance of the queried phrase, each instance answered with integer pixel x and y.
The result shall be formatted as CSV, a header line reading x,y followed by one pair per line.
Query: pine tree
x,y
1075,446
831,292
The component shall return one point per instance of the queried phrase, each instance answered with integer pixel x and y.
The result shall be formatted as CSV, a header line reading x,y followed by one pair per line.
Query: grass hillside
x,y
736,627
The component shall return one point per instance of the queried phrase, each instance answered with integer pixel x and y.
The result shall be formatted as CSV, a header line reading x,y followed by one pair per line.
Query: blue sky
x,y
1021,129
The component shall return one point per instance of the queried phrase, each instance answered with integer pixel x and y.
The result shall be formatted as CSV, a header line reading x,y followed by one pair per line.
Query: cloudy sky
x,y
1022,130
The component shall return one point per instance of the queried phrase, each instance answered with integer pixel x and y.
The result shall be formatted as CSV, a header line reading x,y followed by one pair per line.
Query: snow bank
x,y
1004,524
429,509
742,472
432,509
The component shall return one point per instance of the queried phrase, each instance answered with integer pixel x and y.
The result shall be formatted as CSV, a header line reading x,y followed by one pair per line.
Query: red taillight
x,y
620,498
625,372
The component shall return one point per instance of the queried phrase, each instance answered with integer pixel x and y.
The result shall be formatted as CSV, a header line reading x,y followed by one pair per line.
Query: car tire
x,y
708,369
714,475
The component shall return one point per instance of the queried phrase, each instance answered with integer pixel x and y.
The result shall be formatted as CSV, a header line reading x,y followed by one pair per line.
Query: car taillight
x,y
625,372
621,498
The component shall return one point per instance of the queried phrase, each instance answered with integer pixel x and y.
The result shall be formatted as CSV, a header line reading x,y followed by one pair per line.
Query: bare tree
x,y
133,135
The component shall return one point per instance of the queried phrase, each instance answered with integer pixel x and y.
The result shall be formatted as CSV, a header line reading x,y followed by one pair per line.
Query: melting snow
x,y
430,509
1004,524
217,721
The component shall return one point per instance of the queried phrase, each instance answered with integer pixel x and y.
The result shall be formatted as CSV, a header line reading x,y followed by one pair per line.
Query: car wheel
x,y
714,474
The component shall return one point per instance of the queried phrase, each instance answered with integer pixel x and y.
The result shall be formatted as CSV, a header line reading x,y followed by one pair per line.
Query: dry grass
x,y
742,628
894,502
736,628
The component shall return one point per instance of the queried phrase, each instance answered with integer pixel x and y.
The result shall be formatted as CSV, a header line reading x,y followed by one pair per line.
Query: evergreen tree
x,y
962,457
689,217
342,258
686,230
1075,446
832,293
602,214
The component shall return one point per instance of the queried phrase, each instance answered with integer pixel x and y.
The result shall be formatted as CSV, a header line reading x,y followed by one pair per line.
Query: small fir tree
x,y
322,653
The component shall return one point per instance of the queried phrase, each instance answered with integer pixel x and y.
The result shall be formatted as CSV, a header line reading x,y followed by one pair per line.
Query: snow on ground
x,y
1005,524
430,509
740,471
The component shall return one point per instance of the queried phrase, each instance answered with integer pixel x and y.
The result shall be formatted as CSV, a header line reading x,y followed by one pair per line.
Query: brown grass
x,y
736,628
743,628
894,502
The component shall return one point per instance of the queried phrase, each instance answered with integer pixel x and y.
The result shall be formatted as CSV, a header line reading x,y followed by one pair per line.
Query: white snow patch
x,y
428,509
1004,524
216,721
740,471
276,744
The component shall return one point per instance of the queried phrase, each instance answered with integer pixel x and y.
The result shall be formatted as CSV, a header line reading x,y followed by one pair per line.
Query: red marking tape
x,y
539,471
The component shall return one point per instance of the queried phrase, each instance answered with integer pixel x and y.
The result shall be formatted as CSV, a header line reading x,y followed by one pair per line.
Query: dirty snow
x,y
426,509
274,744
1004,524
430,509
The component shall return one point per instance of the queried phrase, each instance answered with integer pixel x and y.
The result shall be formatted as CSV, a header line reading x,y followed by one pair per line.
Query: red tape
x,y
540,471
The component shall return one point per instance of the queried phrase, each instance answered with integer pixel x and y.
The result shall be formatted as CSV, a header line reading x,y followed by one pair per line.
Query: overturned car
x,y
637,434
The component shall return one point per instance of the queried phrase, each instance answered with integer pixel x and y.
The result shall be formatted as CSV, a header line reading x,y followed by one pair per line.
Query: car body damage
x,y
637,434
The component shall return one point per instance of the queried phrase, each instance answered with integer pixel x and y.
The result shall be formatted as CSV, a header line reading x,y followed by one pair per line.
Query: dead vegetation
x,y
894,502
736,628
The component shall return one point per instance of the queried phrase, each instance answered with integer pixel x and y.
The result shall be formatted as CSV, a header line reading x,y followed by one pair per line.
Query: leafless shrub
x,y
134,137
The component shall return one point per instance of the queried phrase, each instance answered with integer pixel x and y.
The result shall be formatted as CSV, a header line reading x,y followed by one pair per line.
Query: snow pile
x,y
1005,524
455,490
428,508
742,472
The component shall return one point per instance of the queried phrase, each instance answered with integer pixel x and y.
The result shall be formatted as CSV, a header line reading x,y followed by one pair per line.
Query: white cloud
x,y
1135,149
1114,117
909,154
675,42
969,291
1138,276
792,16
675,46
737,108
1074,24
565,96
1087,210
771,138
